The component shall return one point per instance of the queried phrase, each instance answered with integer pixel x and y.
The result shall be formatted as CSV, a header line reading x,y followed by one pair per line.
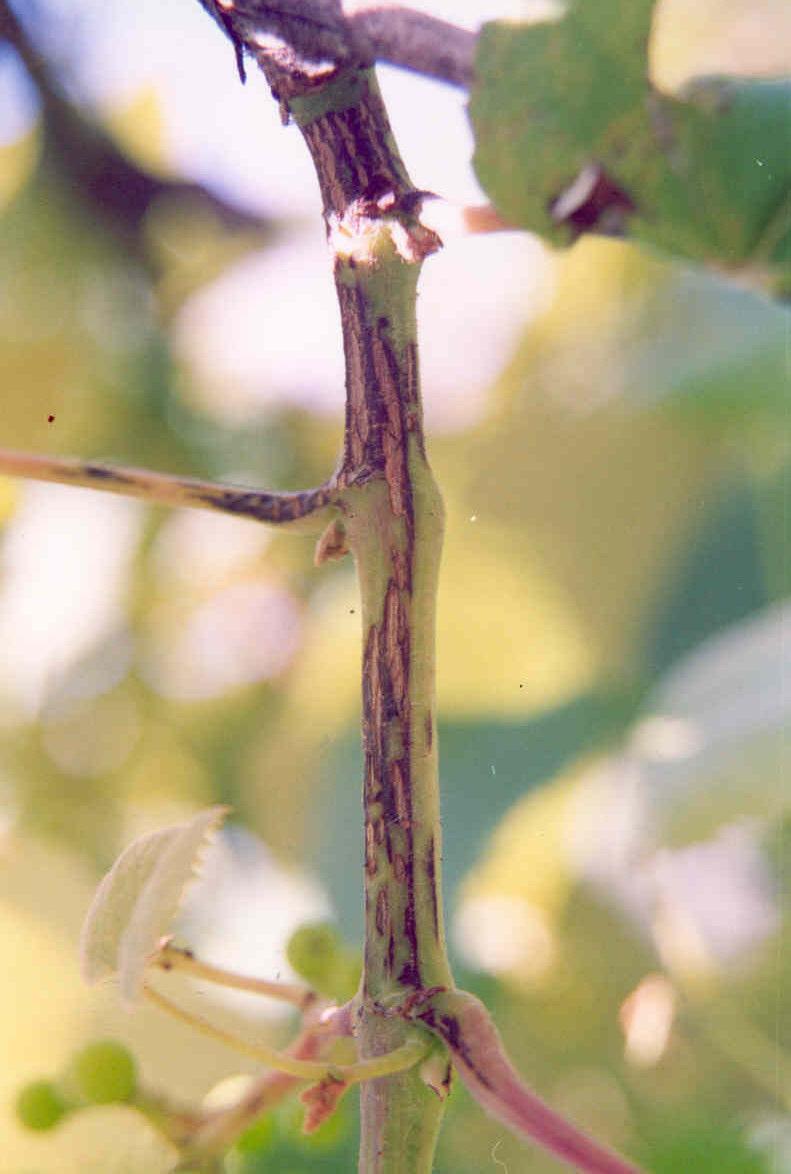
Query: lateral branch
x,y
305,509
322,32
479,1057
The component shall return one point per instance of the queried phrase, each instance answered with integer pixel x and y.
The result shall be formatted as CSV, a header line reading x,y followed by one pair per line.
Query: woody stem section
x,y
392,515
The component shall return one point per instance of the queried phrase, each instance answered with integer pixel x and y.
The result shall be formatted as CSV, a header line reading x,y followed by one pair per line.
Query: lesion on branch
x,y
351,34
307,510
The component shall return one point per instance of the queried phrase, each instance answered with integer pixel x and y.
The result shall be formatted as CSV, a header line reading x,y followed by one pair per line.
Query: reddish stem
x,y
479,1057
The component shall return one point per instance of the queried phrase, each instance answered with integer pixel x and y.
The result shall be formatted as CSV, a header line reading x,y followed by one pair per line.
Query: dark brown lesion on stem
x,y
106,475
448,1028
365,189
363,186
387,790
387,793
431,873
353,155
276,508
382,399
385,494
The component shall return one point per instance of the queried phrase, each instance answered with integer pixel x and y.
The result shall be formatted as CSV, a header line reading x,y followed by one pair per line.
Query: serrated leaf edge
x,y
149,918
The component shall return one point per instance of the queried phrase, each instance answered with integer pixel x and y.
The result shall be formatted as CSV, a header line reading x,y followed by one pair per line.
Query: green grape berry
x,y
312,948
317,953
40,1105
103,1073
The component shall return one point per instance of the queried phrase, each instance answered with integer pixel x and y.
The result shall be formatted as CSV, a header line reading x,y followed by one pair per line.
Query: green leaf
x,y
715,181
551,98
136,902
570,135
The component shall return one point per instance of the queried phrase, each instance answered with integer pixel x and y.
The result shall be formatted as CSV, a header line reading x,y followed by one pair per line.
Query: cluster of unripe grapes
x,y
101,1073
105,1072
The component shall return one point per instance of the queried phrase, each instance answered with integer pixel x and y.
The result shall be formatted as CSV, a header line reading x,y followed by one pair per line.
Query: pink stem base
x,y
480,1059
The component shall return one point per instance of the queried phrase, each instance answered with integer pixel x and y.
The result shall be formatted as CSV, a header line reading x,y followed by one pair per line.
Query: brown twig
x,y
308,510
321,31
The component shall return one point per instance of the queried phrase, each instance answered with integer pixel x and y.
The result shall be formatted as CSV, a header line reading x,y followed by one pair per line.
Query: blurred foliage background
x,y
610,430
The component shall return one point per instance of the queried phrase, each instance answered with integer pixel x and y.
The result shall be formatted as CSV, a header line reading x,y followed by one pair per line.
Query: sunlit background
x,y
611,434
